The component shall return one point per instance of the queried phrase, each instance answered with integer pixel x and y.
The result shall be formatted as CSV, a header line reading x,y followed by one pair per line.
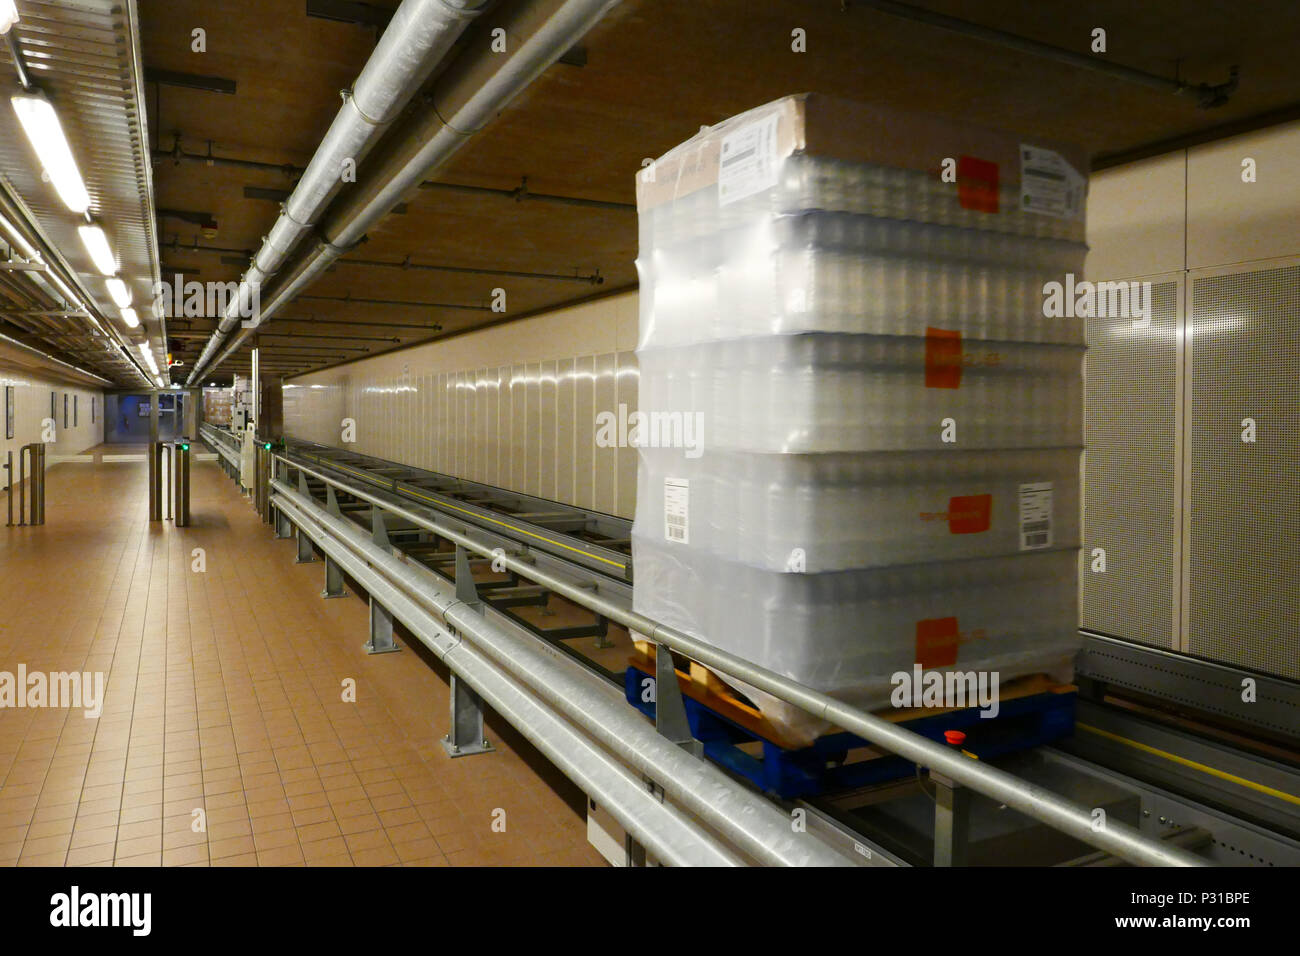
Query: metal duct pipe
x,y
418,37
746,819
1070,818
657,826
464,101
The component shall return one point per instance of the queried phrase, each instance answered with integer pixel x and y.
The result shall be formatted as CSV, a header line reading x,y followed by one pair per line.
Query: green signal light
x,y
267,446
185,447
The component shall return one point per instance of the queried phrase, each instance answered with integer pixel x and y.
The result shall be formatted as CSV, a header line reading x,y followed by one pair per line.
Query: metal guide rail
x,y
592,539
533,607
317,489
225,444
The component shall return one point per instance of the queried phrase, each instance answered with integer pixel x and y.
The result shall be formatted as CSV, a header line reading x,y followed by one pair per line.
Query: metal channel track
x,y
491,517
592,539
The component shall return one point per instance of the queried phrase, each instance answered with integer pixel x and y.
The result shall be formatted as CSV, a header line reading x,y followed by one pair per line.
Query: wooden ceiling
x,y
655,71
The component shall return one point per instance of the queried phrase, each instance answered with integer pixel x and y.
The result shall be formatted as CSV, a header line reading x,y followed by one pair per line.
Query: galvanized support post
x,y
283,527
305,553
381,630
333,580
951,821
466,735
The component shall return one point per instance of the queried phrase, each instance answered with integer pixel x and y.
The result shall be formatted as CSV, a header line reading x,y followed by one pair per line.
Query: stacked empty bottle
x,y
860,436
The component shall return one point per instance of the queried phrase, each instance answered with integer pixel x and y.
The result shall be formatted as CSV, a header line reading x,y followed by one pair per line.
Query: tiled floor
x,y
224,694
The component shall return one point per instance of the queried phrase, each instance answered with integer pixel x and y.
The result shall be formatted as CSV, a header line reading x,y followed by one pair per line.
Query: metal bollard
x,y
181,484
34,515
155,481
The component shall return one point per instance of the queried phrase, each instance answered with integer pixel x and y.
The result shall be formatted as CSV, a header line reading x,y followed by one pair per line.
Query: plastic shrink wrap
x,y
860,436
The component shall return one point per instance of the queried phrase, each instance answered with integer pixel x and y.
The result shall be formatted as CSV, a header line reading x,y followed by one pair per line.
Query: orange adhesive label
x,y
936,642
969,514
977,184
943,359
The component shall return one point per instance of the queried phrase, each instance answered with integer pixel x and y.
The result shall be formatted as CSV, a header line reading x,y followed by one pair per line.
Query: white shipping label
x,y
677,510
1036,516
748,163
1049,185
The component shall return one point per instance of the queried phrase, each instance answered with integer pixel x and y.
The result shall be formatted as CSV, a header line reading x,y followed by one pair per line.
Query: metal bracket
x,y
670,710
466,590
302,484
333,580
331,502
381,630
378,530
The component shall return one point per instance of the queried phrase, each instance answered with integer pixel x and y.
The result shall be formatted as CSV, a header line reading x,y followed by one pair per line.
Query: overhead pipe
x,y
418,37
659,827
743,817
1207,96
519,193
594,279
1118,839
465,100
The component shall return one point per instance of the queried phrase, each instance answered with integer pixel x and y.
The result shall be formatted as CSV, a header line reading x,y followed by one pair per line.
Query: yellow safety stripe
x,y
1203,768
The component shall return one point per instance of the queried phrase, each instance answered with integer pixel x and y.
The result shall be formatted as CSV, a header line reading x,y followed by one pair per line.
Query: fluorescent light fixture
x,y
130,318
8,15
147,354
42,126
120,292
96,243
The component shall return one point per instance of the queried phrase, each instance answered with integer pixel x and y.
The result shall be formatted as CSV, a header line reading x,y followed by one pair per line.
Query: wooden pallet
x,y
1032,710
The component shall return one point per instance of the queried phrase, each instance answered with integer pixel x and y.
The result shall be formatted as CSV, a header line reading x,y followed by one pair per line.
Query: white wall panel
x,y
31,397
513,405
1231,221
1135,219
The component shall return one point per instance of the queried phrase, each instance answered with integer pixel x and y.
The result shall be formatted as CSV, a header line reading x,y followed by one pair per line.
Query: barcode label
x,y
748,162
677,510
1049,185
1036,516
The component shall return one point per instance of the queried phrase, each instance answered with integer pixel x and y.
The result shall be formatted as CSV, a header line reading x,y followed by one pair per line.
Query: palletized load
x,y
860,434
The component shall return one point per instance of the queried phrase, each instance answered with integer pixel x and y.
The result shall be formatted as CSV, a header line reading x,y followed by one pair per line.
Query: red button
x,y
954,737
